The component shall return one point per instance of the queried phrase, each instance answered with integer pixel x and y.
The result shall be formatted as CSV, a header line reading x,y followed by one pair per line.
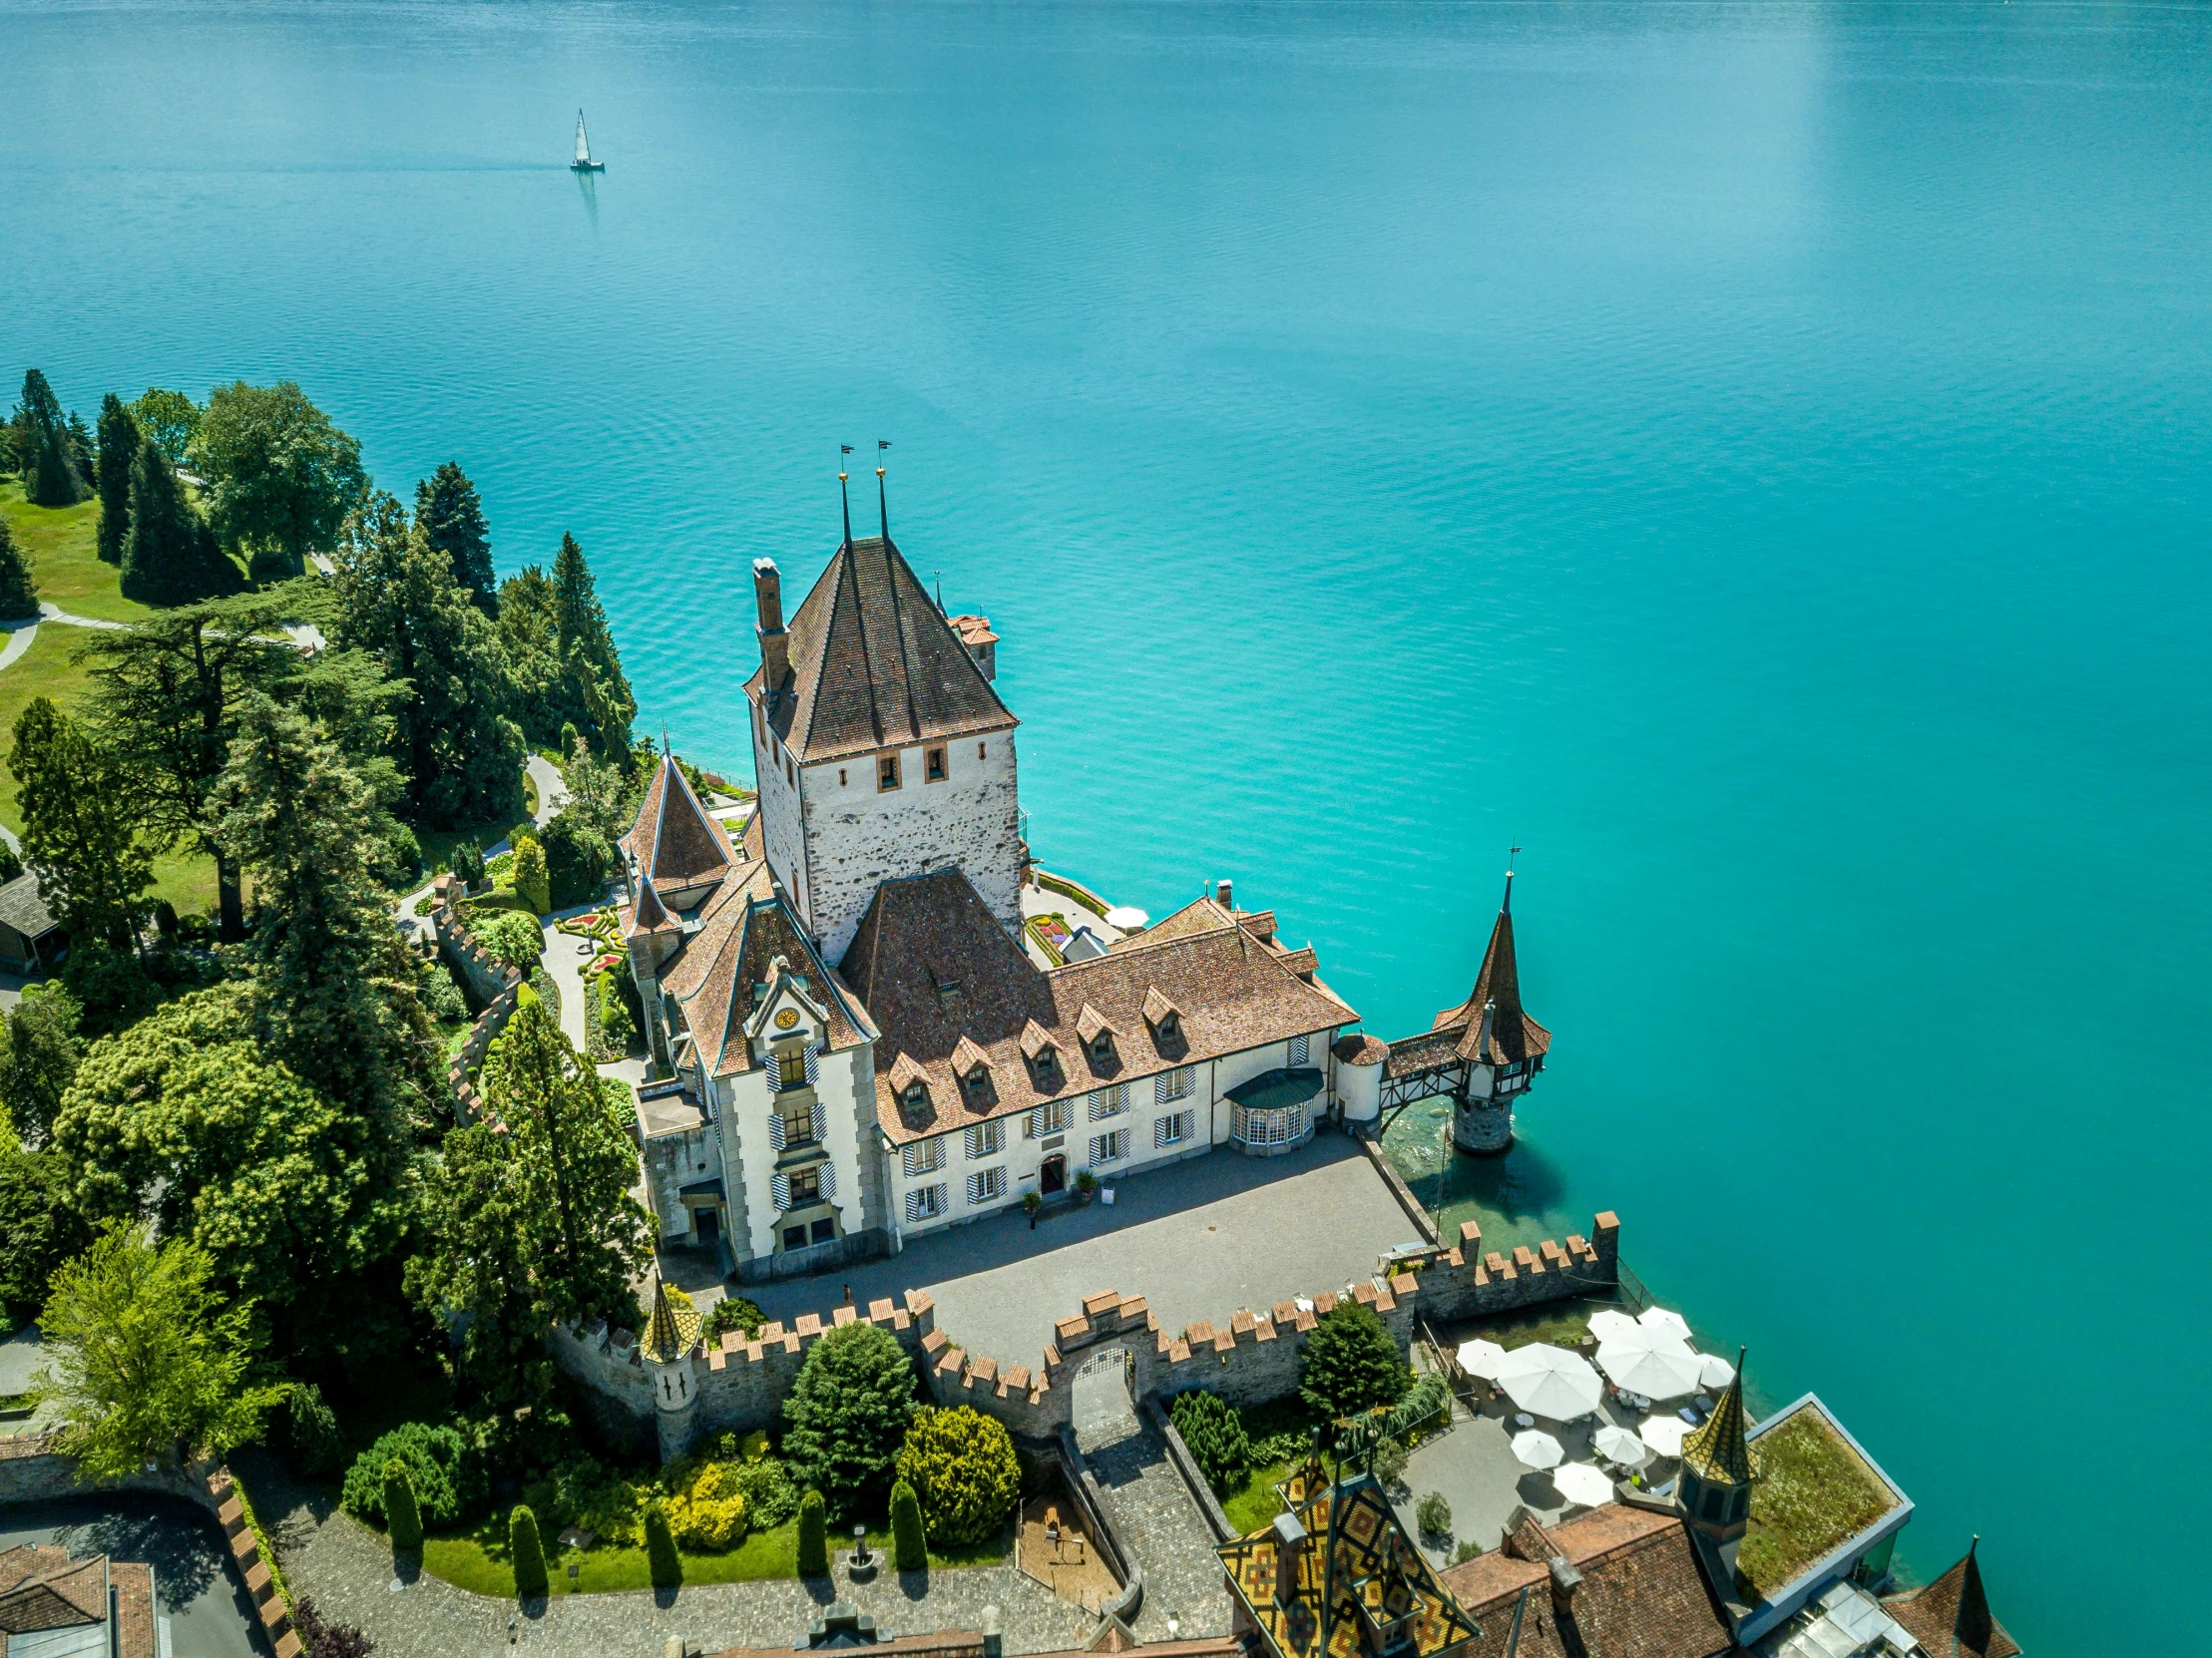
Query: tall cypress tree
x,y
169,555
588,653
44,448
119,449
18,592
451,518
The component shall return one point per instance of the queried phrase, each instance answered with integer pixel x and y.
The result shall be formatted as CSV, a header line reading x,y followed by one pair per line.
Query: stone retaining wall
x,y
494,983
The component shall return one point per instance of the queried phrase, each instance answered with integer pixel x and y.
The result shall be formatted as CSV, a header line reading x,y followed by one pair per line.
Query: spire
x,y
672,1329
1970,1629
1720,1453
844,496
1504,905
883,508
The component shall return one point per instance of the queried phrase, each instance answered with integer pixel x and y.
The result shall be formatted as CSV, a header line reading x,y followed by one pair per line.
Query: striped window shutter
x,y
780,1186
775,1075
776,1130
829,1181
1161,1086
912,1206
812,1066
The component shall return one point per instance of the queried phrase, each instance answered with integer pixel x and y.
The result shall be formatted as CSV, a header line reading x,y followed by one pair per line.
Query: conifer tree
x,y
79,838
909,1548
18,591
402,1515
44,448
119,451
661,1560
587,649
169,555
451,518
813,1537
527,1551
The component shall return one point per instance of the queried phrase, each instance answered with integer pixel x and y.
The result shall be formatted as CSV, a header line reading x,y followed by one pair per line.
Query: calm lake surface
x,y
1754,457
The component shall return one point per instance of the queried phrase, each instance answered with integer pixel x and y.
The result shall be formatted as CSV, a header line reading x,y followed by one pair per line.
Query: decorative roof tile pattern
x,y
1719,1452
874,664
931,932
1385,1592
672,1331
1952,1617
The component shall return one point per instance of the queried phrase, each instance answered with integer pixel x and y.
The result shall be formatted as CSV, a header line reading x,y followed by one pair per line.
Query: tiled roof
x,y
1951,1616
649,914
1359,1048
671,1330
873,664
46,1592
742,929
935,967
1720,1448
23,909
1514,1034
676,845
1382,1583
1641,1592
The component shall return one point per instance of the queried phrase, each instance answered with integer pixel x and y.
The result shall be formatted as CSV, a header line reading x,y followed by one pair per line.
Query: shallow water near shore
x,y
1753,457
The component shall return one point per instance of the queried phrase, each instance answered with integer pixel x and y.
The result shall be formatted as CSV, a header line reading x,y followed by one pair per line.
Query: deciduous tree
x,y
167,417
42,1053
143,1359
40,1224
119,450
1350,1362
451,518
280,476
962,1467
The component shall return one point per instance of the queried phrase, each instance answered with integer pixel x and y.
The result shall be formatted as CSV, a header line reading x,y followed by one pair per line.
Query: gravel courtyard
x,y
1199,1239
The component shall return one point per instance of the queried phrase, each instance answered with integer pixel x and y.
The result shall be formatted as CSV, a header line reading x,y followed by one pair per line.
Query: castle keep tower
x,y
881,749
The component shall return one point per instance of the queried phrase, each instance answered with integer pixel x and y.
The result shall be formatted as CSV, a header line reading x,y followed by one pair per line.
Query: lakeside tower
x,y
1503,1047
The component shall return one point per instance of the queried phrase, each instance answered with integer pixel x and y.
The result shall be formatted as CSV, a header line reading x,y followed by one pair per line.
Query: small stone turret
x,y
1717,1469
668,1347
1503,1047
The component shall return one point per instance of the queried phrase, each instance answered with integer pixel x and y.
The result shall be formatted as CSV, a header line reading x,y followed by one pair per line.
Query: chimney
x,y
1290,1546
993,1638
775,644
1221,895
1565,1581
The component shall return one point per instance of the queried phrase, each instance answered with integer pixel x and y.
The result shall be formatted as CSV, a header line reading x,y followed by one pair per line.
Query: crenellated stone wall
x,y
1247,1359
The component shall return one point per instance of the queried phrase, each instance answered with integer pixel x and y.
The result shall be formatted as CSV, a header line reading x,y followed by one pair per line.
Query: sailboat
x,y
584,161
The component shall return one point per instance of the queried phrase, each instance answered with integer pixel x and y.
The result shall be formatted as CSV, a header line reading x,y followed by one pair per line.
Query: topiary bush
x,y
1350,1362
661,1560
1432,1514
962,1466
443,1468
909,1550
848,1415
813,1535
533,884
1215,1436
402,1515
526,1552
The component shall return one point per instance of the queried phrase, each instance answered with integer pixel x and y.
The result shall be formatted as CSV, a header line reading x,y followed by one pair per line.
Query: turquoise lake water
x,y
1754,457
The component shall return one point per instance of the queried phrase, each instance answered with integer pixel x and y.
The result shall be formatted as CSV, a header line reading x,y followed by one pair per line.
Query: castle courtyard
x,y
1199,1239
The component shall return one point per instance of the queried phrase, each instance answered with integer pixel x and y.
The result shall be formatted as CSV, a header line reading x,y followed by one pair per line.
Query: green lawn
x,y
477,1560
62,546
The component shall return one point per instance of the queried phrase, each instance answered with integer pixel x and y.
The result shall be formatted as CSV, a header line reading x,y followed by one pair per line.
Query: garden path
x,y
1153,1512
348,1570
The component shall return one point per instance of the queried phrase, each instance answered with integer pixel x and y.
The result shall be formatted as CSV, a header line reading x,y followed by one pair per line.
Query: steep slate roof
x,y
1514,1034
1642,1593
1720,1449
874,664
743,927
676,845
23,909
934,968
1951,1616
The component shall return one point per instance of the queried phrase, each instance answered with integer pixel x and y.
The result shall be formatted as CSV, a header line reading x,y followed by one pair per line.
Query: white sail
x,y
583,147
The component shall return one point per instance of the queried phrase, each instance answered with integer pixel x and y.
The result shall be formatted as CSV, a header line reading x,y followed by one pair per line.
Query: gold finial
x,y
840,477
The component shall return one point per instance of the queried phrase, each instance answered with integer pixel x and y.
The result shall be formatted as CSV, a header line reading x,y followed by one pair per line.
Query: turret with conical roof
x,y
672,1332
1503,1047
1717,1468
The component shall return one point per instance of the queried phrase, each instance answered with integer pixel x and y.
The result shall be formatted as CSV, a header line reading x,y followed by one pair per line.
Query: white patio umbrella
x,y
1714,1370
1655,1370
1548,1380
1672,1324
1622,1444
1580,1482
1664,1434
1537,1449
1610,1322
1479,1358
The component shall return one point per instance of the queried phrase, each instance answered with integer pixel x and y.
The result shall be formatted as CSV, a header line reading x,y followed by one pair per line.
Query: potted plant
x,y
1032,1201
1086,1184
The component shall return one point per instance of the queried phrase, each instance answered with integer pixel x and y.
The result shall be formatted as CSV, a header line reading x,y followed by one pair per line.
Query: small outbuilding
x,y
29,938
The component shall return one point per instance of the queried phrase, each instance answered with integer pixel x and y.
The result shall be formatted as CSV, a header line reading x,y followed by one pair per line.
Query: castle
x,y
860,1040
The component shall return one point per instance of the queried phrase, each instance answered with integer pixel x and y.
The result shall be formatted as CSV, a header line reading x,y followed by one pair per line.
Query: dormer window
x,y
978,1084
1095,1035
887,773
973,1067
1163,1016
916,1098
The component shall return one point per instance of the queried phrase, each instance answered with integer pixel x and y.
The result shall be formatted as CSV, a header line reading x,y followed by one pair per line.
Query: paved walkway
x,y
1153,1512
348,1571
1199,1239
553,793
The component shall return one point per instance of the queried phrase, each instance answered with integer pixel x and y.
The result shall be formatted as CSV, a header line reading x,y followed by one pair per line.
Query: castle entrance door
x,y
1053,1175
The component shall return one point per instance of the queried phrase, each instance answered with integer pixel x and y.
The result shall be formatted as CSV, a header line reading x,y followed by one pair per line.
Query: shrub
x,y
526,1552
531,883
442,1468
813,1537
1086,1181
441,997
1432,1514
1387,1464
311,1433
1351,1363
662,1561
962,1467
617,1029
1467,1550
735,1312
908,1551
1215,1434
579,862
322,1638
402,1516
468,863
766,1485
708,1514
509,936
848,1413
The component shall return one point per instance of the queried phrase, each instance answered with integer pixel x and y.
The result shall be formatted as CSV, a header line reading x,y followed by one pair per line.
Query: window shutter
x,y
775,1075
814,1066
829,1182
780,1186
913,1207
776,1130
1161,1085
1298,1050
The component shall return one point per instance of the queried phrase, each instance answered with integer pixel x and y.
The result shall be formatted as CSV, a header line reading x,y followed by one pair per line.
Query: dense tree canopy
x,y
40,1225
397,600
1351,1363
451,518
280,477
848,1413
119,451
92,866
18,587
564,665
167,417
143,1358
170,555
39,1058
